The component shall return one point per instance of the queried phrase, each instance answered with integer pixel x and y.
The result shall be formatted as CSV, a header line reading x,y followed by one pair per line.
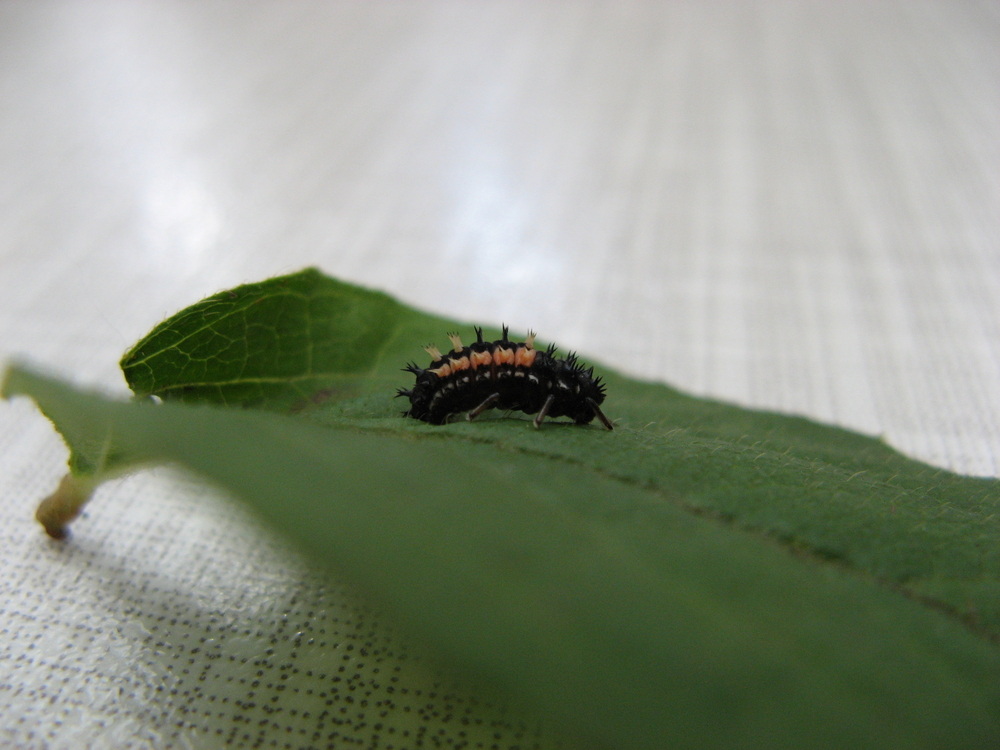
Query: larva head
x,y
582,392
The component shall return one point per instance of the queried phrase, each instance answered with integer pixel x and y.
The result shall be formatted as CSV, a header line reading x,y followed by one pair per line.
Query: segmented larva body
x,y
503,374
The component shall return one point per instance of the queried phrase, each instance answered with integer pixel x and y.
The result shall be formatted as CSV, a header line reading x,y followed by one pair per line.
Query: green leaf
x,y
604,604
829,492
703,576
272,344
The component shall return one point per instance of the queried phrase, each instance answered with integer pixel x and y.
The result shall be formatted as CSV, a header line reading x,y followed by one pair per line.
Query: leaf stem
x,y
58,510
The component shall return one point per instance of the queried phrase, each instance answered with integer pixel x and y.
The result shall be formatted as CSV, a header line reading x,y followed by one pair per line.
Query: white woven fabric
x,y
789,205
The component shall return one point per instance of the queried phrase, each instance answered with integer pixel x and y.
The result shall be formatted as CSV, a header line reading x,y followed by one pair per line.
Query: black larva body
x,y
503,374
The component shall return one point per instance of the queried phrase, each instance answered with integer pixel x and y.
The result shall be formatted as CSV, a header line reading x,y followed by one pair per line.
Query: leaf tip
x,y
11,377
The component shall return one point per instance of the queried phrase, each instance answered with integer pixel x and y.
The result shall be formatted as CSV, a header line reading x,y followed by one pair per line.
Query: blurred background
x,y
788,205
792,205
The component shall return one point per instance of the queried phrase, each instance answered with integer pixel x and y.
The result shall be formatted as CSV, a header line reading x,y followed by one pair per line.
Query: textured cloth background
x,y
789,205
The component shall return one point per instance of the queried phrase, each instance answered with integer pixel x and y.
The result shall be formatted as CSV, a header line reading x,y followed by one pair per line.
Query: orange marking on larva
x,y
443,371
459,363
502,356
480,359
524,357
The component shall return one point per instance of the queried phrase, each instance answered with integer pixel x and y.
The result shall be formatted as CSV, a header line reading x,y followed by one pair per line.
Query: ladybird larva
x,y
503,374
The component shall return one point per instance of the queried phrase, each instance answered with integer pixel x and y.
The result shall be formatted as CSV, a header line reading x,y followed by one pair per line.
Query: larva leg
x,y
600,414
492,399
544,410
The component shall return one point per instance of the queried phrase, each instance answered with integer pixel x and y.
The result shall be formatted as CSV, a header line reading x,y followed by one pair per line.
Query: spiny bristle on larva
x,y
433,351
530,340
456,342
